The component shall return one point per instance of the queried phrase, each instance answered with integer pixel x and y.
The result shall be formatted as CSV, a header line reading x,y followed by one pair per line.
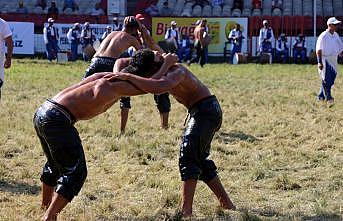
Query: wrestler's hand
x,y
170,59
121,76
320,66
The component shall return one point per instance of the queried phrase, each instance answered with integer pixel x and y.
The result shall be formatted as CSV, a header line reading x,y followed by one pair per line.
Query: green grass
x,y
279,152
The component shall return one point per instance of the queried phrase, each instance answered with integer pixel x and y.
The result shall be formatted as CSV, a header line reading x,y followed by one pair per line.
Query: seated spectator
x,y
237,4
53,10
165,10
299,49
41,3
70,4
152,10
257,4
97,10
282,49
217,2
277,4
21,8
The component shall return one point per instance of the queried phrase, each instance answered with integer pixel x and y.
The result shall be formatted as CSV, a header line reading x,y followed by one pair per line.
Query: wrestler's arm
x,y
156,86
149,41
122,88
121,63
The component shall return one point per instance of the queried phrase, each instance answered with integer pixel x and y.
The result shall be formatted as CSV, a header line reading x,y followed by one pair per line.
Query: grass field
x,y
279,152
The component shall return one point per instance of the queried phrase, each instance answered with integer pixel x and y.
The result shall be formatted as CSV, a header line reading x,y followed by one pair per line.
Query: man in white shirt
x,y
300,49
282,49
328,47
172,36
266,40
50,35
5,60
236,39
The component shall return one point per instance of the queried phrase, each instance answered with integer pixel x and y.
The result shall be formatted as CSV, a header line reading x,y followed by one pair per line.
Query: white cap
x,y
173,23
265,22
333,21
51,20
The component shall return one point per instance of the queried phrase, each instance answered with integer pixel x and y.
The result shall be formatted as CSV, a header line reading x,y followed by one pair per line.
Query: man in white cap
x,y
5,61
328,47
50,35
266,38
172,35
73,36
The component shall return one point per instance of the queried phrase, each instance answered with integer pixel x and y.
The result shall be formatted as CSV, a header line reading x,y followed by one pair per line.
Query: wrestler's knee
x,y
188,159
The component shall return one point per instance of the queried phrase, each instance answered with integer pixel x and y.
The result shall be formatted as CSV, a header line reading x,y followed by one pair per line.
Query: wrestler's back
x,y
190,90
114,45
88,100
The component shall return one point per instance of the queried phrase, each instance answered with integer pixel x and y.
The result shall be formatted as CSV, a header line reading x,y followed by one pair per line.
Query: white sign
x,y
23,37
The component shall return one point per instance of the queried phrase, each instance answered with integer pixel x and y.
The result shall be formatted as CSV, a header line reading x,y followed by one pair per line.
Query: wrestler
x,y
205,119
65,170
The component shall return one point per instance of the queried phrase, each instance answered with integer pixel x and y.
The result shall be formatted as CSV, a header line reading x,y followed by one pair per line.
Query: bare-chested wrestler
x,y
205,119
65,170
200,43
134,35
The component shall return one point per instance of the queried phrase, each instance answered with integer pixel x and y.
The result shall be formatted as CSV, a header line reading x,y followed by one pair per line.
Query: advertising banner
x,y
219,29
23,37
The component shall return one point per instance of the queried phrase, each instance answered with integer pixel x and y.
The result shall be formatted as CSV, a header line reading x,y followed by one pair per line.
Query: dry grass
x,y
279,152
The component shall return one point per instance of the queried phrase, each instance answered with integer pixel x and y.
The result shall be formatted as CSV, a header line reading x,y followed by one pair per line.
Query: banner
x,y
23,37
98,30
219,29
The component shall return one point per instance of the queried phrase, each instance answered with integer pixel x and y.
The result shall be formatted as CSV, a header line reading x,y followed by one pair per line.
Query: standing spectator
x,y
116,25
87,38
21,8
299,49
265,39
50,35
107,32
165,10
328,46
172,36
236,38
282,49
97,10
5,60
184,52
53,10
70,4
199,43
73,36
41,3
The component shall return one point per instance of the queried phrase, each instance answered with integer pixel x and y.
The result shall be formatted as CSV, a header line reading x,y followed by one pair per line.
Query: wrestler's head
x,y
145,63
131,25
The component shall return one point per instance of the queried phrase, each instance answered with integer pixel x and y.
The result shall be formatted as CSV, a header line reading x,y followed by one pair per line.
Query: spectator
x,y
50,35
282,49
277,4
236,39
184,52
299,49
97,10
53,10
217,2
5,59
152,10
199,43
202,3
116,25
257,4
165,10
172,36
70,4
73,36
107,32
237,4
21,8
87,38
41,3
328,47
266,38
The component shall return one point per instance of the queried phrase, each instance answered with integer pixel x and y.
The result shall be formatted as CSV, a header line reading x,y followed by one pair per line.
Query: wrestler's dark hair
x,y
143,64
131,24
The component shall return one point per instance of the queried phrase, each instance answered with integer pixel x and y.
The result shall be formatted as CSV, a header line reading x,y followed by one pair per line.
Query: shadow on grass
x,y
18,187
235,136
